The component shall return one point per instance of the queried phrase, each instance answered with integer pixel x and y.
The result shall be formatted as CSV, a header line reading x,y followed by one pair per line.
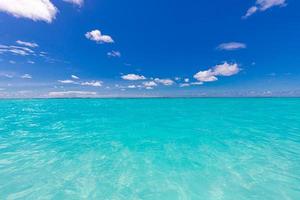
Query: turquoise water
x,y
222,148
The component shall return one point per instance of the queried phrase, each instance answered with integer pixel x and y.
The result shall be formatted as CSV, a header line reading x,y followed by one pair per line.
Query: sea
x,y
150,149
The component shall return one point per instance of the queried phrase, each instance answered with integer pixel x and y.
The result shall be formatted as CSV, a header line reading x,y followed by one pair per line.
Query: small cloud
x,y
12,62
75,77
27,44
231,46
197,83
26,76
131,86
149,88
17,50
166,82
133,77
71,94
206,76
149,84
93,83
66,81
30,62
186,80
263,5
224,69
6,75
184,85
76,2
36,10
250,12
114,54
96,36
177,78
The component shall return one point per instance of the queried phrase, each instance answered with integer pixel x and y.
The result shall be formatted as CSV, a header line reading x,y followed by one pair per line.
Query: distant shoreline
x,y
211,97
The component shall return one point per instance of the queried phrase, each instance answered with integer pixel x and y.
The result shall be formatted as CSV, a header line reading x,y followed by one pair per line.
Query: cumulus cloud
x,y
133,77
224,69
149,84
66,81
17,50
97,36
76,2
186,80
92,83
263,5
37,10
114,54
166,82
71,94
26,76
74,77
206,76
27,44
231,46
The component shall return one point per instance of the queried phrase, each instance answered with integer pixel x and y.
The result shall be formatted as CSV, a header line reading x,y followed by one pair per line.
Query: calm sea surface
x,y
168,149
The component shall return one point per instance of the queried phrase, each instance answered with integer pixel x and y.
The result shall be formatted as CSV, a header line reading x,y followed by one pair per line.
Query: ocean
x,y
168,149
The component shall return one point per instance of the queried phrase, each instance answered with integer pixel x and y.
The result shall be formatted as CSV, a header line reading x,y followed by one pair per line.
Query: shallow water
x,y
218,148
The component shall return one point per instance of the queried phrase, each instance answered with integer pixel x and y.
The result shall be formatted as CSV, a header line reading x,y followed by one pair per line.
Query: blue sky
x,y
103,48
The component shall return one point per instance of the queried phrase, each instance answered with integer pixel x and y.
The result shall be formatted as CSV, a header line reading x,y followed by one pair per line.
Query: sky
x,y
133,48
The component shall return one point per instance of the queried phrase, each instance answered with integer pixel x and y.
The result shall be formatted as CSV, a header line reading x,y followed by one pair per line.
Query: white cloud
x,y
6,75
263,5
12,62
27,44
30,62
76,2
184,85
186,80
17,50
149,88
114,54
66,81
224,69
206,76
26,76
92,83
96,36
149,84
231,46
75,77
250,11
131,86
133,77
71,94
37,10
167,82
197,83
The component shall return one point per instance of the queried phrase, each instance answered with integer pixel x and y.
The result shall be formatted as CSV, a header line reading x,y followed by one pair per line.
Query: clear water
x,y
150,149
